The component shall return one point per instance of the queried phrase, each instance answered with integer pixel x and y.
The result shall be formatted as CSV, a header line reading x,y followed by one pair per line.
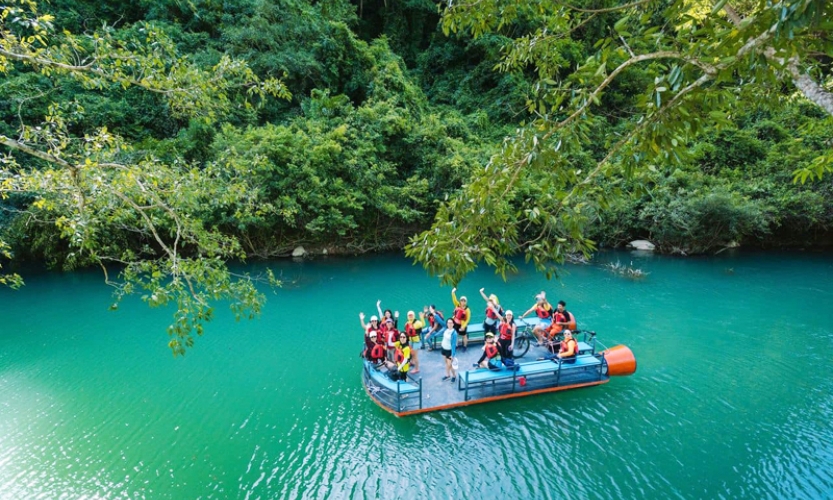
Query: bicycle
x,y
525,338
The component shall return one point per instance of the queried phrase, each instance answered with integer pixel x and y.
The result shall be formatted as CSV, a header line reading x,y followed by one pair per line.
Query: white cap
x,y
374,318
509,313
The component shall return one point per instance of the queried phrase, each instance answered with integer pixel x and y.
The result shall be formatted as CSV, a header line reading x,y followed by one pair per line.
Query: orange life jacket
x,y
491,351
506,331
564,347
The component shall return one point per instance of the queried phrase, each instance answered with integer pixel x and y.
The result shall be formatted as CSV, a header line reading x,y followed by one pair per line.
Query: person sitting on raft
x,y
449,347
436,324
491,354
493,312
413,329
569,348
568,321
551,334
373,351
401,364
543,310
461,317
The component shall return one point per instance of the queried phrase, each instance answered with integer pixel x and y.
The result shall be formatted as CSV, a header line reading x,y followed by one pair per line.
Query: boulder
x,y
642,245
299,252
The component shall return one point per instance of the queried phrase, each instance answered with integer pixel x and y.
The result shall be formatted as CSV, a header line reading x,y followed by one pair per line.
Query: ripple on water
x,y
91,404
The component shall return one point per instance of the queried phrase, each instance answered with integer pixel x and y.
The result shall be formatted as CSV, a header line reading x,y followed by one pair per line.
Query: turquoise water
x,y
731,399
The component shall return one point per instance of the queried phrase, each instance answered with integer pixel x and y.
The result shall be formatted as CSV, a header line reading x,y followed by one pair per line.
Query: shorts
x,y
545,323
461,331
447,353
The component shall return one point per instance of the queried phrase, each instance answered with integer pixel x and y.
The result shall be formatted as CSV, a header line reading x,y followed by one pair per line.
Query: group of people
x,y
386,344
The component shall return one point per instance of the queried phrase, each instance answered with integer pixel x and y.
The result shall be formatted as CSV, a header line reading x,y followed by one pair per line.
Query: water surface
x,y
732,397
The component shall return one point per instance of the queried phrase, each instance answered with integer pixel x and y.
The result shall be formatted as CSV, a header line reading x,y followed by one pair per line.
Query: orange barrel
x,y
620,361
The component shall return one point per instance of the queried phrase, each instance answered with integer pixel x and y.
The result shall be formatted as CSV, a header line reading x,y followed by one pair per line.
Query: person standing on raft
x,y
493,312
506,341
461,317
413,327
449,347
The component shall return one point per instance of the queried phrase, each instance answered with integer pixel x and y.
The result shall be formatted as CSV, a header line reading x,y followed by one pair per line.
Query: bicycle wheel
x,y
521,345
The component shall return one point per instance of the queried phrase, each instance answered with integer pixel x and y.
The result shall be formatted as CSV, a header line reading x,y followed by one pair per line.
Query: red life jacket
x,y
491,351
557,318
459,314
506,331
378,352
399,356
543,313
490,313
392,336
564,347
410,331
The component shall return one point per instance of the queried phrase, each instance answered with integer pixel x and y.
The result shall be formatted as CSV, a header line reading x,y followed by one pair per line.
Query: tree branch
x,y
20,146
608,9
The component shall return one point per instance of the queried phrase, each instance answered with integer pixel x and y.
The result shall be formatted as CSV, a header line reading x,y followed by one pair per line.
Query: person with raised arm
x,y
373,325
543,310
436,322
493,312
387,314
461,317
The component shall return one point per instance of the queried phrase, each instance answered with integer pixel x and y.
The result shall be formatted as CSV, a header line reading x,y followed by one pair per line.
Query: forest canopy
x,y
161,140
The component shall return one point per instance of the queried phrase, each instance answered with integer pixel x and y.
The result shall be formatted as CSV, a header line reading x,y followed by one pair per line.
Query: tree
x,y
98,191
694,63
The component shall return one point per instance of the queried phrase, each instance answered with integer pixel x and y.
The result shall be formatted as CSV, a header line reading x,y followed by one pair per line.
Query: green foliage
x,y
95,191
13,281
149,143
722,198
665,74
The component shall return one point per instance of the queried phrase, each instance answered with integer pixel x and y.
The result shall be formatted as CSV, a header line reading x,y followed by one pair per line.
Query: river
x,y
733,396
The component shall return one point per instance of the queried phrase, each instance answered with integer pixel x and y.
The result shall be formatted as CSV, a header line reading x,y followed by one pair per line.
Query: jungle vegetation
x,y
161,139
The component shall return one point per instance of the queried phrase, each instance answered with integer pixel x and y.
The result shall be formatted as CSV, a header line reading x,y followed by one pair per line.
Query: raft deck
x,y
426,391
